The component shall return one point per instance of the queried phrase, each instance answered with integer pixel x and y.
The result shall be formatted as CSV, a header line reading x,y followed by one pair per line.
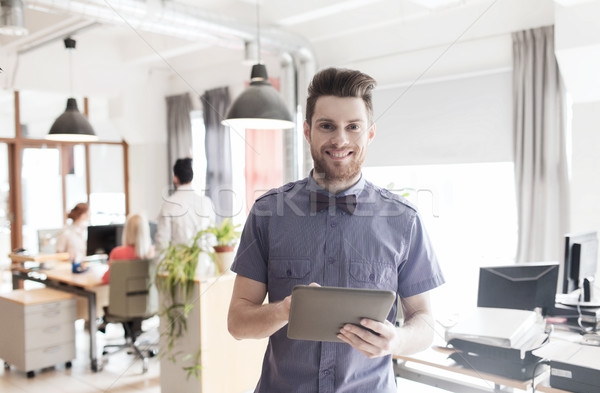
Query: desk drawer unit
x,y
37,328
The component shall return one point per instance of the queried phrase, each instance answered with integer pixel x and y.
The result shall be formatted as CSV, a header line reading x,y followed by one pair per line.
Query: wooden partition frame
x,y
15,152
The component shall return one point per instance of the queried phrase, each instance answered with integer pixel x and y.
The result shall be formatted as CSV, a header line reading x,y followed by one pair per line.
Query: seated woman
x,y
73,238
136,243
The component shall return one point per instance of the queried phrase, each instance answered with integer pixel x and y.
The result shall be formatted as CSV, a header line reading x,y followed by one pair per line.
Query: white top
x,y
181,216
73,239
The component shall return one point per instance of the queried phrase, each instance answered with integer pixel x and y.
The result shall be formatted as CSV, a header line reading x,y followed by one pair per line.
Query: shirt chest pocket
x,y
285,273
364,274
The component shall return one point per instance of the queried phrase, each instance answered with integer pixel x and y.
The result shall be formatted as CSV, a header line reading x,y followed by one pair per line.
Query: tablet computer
x,y
318,313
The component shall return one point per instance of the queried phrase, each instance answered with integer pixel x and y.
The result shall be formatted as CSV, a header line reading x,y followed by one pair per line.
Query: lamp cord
x,y
70,72
258,57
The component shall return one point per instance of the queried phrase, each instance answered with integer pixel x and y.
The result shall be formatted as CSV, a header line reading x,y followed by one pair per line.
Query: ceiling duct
x,y
176,20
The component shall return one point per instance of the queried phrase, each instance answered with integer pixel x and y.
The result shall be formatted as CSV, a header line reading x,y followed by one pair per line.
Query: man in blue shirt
x,y
367,237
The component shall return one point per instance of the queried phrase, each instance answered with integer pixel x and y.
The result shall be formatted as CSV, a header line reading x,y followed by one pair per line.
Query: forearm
x,y
415,335
249,320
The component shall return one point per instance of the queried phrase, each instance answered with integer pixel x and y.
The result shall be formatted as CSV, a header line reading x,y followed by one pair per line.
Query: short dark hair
x,y
183,170
340,82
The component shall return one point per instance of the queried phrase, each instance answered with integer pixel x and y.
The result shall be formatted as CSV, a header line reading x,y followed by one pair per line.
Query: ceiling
x,y
143,38
179,36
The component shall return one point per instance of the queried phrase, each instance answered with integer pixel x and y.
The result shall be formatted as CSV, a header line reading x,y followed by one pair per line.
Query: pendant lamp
x,y
12,17
260,106
72,125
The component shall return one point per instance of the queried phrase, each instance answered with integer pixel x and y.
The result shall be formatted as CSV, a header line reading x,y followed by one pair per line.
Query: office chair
x,y
130,303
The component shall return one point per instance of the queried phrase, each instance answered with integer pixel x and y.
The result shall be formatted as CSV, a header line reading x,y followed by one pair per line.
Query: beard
x,y
333,173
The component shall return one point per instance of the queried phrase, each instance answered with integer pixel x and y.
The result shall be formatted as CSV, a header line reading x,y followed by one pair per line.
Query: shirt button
x,y
372,276
326,372
288,272
331,260
333,224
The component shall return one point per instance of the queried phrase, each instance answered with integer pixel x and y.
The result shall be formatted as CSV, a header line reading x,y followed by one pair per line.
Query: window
x,y
470,213
51,177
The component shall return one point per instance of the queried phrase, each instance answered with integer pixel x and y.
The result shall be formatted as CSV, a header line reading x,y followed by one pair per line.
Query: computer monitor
x,y
153,228
103,238
524,286
580,263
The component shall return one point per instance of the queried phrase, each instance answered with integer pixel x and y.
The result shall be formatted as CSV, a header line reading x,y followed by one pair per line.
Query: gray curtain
x,y
539,146
179,129
215,103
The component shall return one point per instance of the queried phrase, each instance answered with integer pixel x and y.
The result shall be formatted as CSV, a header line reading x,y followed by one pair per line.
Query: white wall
x,y
460,120
140,115
585,181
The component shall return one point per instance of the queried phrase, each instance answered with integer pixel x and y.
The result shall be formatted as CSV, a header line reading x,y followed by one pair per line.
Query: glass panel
x,y
471,216
75,179
38,110
7,114
5,246
42,194
107,194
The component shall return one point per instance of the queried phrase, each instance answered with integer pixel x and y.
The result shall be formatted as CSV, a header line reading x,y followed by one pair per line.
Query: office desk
x,y
452,378
62,278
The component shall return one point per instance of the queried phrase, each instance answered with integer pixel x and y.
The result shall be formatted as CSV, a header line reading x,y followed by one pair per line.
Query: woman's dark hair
x,y
183,170
79,210
340,82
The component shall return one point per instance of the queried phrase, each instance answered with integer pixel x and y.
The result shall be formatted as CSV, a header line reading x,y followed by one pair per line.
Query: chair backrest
x,y
130,291
47,239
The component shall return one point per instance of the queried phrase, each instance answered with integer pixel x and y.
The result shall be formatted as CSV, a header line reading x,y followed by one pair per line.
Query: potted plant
x,y
175,278
226,237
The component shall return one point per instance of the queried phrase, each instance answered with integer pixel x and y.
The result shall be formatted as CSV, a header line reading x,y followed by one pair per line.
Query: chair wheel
x,y
6,365
152,353
68,364
30,374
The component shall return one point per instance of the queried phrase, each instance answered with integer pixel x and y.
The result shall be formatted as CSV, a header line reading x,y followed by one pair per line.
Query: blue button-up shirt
x,y
383,245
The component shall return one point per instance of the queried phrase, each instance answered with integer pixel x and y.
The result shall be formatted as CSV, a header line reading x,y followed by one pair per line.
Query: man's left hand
x,y
380,341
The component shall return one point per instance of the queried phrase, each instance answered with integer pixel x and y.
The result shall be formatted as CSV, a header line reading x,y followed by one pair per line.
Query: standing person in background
x,y
73,238
184,213
136,243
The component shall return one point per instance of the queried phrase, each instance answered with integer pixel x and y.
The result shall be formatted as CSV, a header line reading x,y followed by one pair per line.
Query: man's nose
x,y
339,138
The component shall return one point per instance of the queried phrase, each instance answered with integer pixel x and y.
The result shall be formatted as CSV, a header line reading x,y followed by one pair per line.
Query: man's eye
x,y
326,126
354,127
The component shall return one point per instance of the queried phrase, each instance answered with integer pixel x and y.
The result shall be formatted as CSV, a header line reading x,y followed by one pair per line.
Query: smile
x,y
338,155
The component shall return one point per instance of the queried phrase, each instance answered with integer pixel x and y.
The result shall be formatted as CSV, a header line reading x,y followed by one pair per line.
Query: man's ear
x,y
307,131
176,180
372,130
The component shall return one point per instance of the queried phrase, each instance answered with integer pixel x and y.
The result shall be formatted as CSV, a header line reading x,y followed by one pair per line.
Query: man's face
x,y
338,136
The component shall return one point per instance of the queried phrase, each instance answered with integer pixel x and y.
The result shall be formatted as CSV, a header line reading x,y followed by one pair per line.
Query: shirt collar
x,y
185,187
356,189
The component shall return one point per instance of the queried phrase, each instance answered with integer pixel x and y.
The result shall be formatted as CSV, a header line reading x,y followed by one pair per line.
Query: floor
x,y
121,372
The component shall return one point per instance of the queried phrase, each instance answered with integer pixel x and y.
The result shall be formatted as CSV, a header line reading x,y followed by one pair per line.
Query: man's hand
x,y
380,340
415,335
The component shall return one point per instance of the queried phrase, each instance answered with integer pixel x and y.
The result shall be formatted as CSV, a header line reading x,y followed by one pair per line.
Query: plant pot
x,y
224,256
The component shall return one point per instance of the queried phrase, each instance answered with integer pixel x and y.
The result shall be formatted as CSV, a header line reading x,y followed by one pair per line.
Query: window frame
x,y
15,147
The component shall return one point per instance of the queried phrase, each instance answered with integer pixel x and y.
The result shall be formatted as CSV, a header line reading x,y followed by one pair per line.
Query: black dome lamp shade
x,y
72,125
260,106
